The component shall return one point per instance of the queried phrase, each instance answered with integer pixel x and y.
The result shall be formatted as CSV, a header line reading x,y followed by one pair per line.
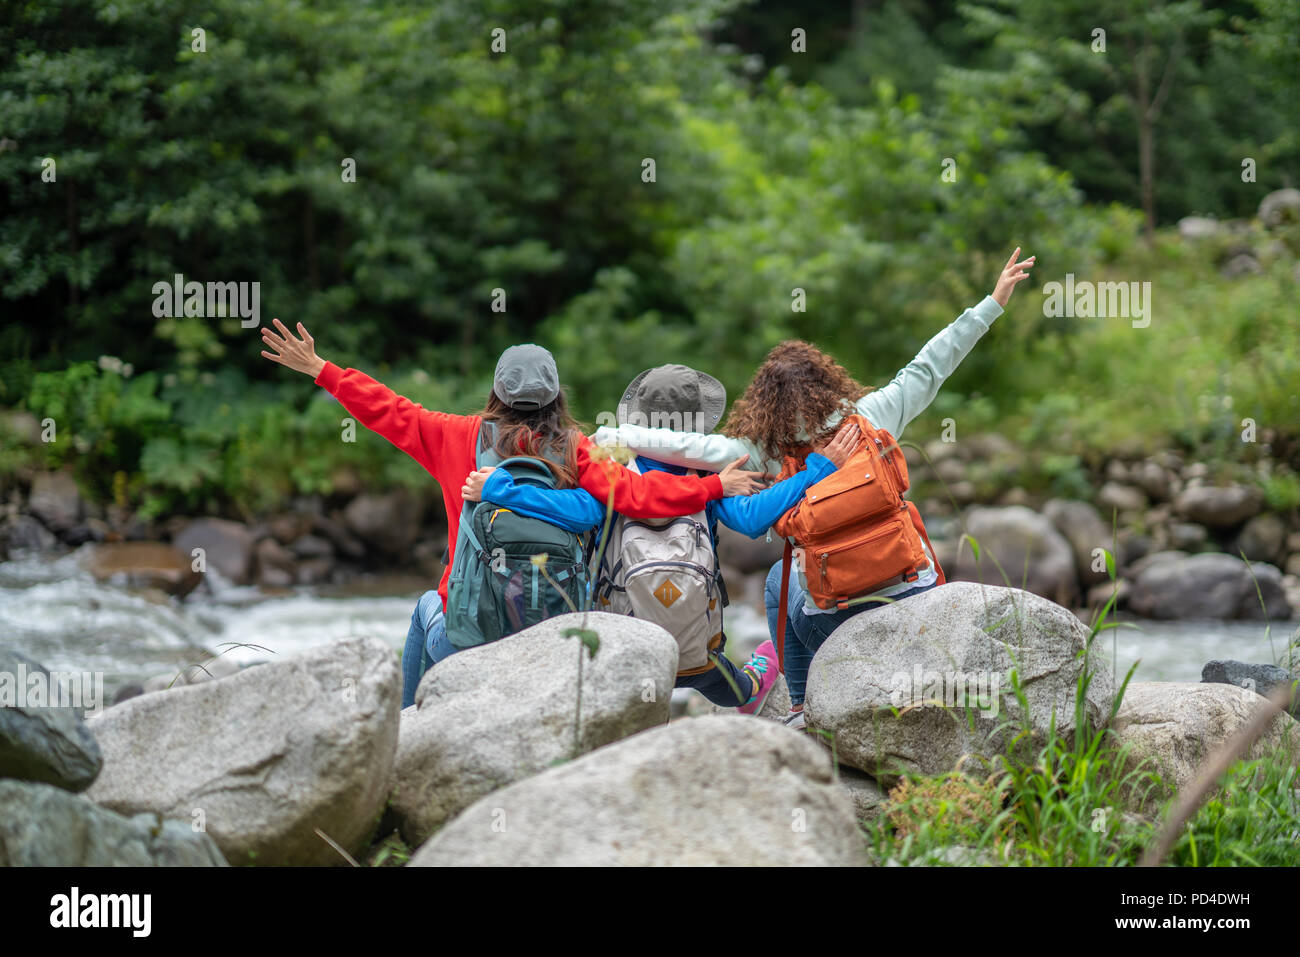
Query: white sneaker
x,y
794,721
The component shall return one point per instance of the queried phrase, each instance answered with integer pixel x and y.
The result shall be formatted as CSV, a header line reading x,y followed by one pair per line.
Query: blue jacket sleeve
x,y
571,509
753,515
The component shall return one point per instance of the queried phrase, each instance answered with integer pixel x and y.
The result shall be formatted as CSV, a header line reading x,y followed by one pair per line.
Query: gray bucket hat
x,y
673,397
526,378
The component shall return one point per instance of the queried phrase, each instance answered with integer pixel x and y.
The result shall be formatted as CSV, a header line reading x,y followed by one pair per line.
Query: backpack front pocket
x,y
859,567
680,598
850,496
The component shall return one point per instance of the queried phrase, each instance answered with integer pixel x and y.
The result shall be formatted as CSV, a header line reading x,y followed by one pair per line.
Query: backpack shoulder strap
x,y
920,527
485,453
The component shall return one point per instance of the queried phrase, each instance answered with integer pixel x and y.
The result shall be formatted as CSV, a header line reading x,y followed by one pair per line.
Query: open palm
x,y
297,354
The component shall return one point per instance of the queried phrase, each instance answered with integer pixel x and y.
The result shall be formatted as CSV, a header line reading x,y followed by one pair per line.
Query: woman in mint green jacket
x,y
797,384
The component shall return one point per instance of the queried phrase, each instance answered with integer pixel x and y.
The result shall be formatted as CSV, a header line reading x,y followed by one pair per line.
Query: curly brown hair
x,y
797,386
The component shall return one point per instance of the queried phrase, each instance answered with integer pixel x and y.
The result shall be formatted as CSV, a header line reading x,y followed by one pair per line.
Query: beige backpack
x,y
666,571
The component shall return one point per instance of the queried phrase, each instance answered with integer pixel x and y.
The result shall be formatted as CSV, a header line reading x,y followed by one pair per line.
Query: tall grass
x,y
1084,799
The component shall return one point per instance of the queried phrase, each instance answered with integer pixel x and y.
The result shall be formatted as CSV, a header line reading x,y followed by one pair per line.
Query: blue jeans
x,y
426,644
804,634
713,684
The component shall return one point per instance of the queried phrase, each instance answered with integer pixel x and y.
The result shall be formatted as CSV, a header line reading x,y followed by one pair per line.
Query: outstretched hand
x,y
298,354
1013,273
735,481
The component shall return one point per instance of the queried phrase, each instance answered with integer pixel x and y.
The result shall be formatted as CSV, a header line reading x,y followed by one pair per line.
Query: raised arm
x,y
893,406
412,428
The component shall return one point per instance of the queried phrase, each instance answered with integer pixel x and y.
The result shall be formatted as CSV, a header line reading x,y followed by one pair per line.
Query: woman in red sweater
x,y
530,414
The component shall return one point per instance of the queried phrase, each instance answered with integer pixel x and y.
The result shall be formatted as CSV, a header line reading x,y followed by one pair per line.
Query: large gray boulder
x,y
1154,479
1218,506
38,742
1172,728
924,685
23,533
1028,548
1263,679
1262,538
715,790
1280,207
388,523
43,826
490,716
1117,496
1210,585
227,547
265,757
55,500
1083,528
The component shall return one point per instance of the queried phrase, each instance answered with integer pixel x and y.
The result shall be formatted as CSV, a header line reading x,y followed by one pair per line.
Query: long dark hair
x,y
549,433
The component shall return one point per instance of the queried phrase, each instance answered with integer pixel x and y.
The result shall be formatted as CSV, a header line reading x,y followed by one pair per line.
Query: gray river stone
x,y
489,716
715,790
41,743
264,758
44,826
924,684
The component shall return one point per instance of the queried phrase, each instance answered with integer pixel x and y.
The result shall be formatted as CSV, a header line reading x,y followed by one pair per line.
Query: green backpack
x,y
497,585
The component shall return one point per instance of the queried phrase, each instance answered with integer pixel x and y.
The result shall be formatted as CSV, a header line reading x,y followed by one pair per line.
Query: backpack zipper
x,y
886,531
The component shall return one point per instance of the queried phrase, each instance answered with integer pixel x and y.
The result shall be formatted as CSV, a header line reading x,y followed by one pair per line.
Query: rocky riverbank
x,y
1177,531
534,750
314,541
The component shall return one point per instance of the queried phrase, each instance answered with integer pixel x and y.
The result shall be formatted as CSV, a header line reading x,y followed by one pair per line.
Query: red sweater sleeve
x,y
441,442
653,495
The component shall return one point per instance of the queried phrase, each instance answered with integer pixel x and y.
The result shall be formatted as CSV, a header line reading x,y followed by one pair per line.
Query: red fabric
x,y
444,445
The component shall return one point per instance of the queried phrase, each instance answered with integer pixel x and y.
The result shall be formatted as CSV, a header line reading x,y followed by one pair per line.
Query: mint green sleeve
x,y
690,449
892,406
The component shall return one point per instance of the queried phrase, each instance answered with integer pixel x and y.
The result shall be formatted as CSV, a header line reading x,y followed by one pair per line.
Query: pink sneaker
x,y
762,665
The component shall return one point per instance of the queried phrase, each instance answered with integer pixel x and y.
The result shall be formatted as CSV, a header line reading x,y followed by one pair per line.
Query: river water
x,y
59,615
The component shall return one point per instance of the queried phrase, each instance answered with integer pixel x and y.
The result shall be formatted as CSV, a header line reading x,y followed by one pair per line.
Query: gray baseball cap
x,y
526,378
673,397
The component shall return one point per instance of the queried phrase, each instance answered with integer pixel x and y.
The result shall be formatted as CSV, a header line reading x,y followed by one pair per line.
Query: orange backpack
x,y
856,532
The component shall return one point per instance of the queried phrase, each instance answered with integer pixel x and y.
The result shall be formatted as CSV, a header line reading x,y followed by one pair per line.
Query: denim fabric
x,y
426,644
804,634
713,684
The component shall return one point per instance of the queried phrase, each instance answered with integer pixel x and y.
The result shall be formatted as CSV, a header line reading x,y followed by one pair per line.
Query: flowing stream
x,y
58,614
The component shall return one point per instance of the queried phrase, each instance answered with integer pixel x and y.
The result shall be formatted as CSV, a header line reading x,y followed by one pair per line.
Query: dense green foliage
x,y
522,171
